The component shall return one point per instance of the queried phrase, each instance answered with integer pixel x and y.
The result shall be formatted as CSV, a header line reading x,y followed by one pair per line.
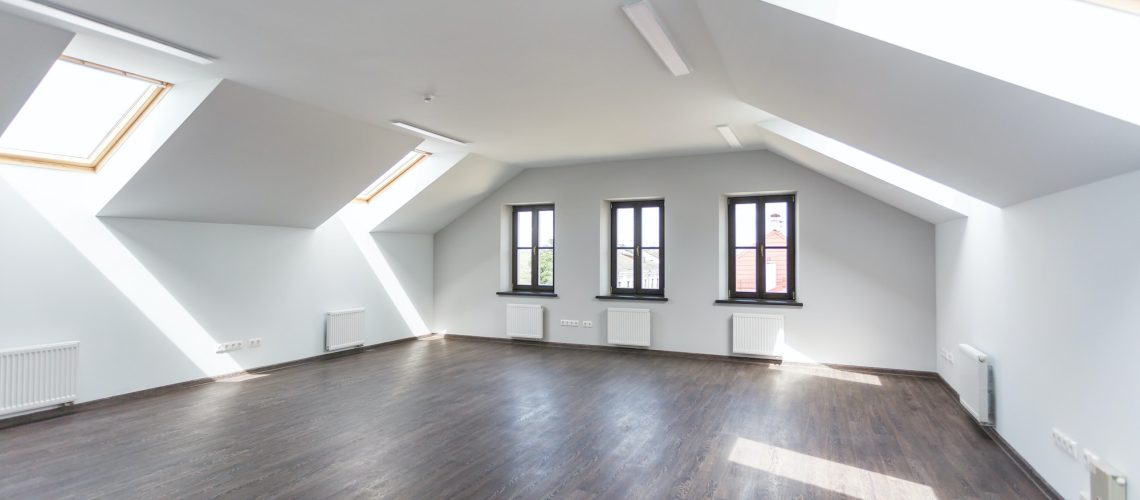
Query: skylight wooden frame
x,y
400,171
114,138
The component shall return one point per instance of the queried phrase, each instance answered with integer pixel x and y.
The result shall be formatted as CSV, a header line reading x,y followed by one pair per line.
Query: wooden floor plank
x,y
459,418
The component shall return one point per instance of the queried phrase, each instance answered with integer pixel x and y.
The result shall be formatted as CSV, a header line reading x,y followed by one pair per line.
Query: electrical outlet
x,y
587,324
230,346
1066,444
255,342
575,323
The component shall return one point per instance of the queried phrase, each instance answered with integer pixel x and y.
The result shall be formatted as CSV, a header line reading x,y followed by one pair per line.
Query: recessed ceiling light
x,y
428,133
92,23
729,136
644,18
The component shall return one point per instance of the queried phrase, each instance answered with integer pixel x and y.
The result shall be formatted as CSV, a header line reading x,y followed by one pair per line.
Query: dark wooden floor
x,y
471,419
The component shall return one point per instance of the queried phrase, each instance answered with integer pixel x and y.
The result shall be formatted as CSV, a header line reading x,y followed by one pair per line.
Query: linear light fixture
x,y
428,133
645,19
93,23
729,136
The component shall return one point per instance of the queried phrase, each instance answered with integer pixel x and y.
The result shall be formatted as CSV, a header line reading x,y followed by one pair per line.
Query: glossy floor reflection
x,y
472,419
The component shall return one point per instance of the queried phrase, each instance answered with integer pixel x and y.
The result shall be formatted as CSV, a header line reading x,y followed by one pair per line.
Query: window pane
x,y
524,226
775,234
776,271
522,260
651,269
746,270
624,269
72,111
650,226
546,228
745,214
546,267
625,227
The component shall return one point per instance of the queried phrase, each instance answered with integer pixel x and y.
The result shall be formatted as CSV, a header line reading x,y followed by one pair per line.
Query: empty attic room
x,y
570,249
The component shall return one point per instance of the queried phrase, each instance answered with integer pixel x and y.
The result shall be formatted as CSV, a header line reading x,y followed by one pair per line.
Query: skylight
x,y
78,115
407,163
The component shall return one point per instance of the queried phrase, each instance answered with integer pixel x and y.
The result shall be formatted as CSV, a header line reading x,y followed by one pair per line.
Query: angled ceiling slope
x,y
449,196
27,51
985,137
782,138
248,157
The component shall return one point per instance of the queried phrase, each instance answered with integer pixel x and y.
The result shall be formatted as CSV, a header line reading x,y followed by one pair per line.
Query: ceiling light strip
x,y
92,23
428,133
645,19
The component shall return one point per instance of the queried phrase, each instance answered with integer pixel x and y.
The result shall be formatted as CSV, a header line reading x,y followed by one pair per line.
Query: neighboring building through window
x,y
762,267
78,116
637,248
532,267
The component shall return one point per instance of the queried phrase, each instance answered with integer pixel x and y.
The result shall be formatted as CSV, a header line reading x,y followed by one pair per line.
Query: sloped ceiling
x,y
449,196
801,152
27,51
987,138
531,83
248,157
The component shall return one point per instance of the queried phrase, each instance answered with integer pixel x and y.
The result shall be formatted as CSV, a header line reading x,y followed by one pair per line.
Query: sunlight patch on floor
x,y
833,476
828,372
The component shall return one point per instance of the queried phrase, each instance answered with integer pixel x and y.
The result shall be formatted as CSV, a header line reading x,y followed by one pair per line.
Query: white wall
x,y
1050,288
149,299
866,270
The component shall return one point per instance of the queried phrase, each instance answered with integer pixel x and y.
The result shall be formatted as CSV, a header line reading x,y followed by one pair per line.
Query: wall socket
x,y
255,342
230,346
1066,444
570,322
587,324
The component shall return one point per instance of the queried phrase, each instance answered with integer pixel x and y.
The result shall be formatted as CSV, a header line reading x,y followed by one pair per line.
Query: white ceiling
x,y
987,138
550,83
781,139
528,83
449,196
248,157
27,52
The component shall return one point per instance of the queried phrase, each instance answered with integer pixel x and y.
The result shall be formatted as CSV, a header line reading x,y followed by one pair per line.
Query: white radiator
x,y
628,326
975,383
524,321
344,329
757,334
38,377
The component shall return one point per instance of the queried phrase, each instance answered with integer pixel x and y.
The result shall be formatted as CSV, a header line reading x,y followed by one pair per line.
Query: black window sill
x,y
761,302
527,294
650,298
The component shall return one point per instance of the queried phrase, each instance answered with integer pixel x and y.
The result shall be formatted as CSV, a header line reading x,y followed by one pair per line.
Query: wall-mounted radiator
x,y
524,321
38,377
757,334
975,383
628,326
344,329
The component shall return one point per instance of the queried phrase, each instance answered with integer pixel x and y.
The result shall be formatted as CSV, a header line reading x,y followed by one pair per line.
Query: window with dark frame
x,y
532,268
762,247
637,247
